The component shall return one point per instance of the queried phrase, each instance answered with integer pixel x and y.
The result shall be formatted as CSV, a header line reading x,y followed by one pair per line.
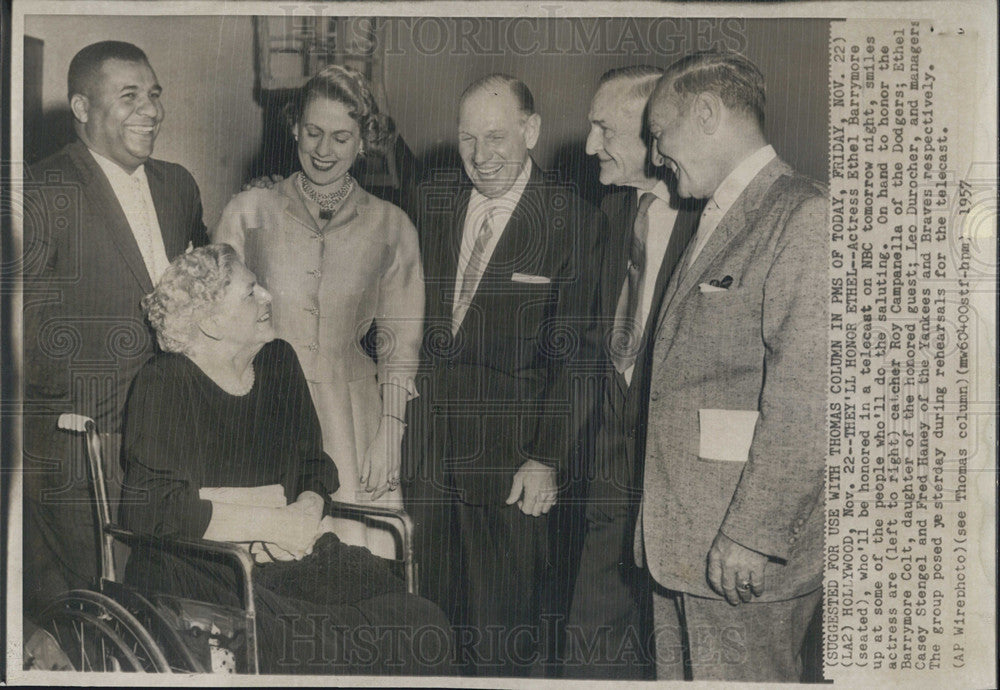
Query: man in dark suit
x,y
510,263
605,635
102,221
731,526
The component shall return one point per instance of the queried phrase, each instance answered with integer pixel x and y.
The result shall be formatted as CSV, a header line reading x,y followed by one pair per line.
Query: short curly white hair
x,y
190,288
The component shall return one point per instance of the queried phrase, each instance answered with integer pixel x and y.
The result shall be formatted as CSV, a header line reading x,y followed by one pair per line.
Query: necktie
x,y
706,226
144,232
473,271
674,261
627,329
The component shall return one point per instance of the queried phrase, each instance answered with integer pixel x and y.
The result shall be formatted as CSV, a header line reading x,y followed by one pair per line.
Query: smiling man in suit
x,y
649,230
102,222
510,263
731,526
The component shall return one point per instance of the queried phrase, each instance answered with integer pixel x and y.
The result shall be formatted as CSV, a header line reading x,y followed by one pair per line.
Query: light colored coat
x,y
328,284
759,346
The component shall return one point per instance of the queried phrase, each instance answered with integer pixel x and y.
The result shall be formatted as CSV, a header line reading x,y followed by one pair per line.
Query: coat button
x,y
655,395
437,409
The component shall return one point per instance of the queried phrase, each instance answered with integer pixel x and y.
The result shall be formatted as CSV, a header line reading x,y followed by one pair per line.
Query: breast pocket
x,y
725,320
513,318
519,309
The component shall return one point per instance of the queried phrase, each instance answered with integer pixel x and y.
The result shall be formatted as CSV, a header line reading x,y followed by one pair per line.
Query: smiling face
x,y
243,315
494,138
121,116
679,144
616,136
328,141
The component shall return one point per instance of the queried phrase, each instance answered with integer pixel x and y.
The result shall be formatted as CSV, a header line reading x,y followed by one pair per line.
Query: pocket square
x,y
726,434
528,278
708,287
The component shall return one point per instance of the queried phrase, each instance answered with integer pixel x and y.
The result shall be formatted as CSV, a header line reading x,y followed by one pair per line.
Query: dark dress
x,y
181,433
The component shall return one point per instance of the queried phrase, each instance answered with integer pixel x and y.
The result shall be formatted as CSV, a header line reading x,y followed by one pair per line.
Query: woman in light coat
x,y
335,258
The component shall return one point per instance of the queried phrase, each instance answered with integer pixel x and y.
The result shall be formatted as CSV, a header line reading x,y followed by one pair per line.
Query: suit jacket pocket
x,y
726,435
721,322
518,309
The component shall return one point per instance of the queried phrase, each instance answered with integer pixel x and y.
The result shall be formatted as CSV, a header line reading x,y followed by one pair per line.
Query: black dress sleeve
x,y
311,469
159,449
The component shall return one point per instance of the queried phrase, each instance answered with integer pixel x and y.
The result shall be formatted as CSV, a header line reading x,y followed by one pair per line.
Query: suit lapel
x,y
294,207
96,186
165,213
741,215
620,207
685,225
451,245
511,243
519,230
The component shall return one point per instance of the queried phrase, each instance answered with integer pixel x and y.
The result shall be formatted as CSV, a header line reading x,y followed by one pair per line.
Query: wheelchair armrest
x,y
195,547
204,547
339,508
397,520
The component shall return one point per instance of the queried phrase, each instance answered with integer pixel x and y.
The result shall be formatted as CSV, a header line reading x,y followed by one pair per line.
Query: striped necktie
x,y
627,333
473,272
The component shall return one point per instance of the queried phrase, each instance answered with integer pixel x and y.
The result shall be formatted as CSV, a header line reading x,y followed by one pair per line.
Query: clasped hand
x,y
534,488
302,524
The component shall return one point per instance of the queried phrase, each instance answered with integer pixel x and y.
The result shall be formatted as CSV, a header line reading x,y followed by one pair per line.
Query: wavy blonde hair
x,y
350,88
188,291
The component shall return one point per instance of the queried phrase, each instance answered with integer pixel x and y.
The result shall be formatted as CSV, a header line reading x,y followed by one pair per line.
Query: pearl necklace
x,y
328,202
243,390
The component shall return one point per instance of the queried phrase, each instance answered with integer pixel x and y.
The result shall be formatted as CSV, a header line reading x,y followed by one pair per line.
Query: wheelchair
x,y
120,628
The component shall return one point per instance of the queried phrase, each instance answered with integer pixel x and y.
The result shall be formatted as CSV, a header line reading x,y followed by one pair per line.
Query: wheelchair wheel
x,y
99,634
178,655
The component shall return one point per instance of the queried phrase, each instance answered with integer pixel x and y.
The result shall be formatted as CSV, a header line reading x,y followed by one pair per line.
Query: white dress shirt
x,y
661,226
726,194
500,210
136,201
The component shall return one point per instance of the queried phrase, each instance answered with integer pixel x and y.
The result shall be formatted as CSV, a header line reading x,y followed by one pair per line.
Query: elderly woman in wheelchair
x,y
221,442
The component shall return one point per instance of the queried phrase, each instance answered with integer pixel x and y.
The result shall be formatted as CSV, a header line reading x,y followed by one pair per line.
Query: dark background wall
x,y
215,122
561,61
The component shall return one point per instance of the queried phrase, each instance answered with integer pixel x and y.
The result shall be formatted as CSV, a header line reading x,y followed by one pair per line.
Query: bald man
x,y
510,256
606,635
731,527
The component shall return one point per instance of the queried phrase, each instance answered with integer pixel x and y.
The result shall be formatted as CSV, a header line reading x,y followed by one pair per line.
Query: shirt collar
x,y
742,175
660,190
509,199
115,171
